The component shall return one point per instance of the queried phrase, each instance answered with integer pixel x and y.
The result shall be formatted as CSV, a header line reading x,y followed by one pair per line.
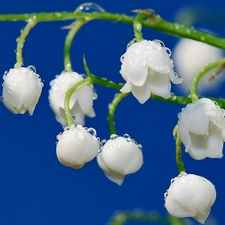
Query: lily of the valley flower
x,y
190,195
81,101
21,90
119,157
76,146
147,67
201,127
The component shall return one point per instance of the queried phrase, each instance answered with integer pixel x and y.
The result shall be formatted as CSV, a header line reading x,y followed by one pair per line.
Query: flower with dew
x,y
147,67
76,146
81,102
190,57
119,157
22,88
201,127
190,195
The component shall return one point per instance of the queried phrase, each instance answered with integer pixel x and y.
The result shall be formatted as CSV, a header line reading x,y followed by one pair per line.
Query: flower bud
x,y
190,195
188,60
81,101
147,67
119,157
201,127
76,146
21,90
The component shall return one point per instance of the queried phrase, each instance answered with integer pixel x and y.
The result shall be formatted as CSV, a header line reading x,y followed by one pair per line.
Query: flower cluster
x,y
147,68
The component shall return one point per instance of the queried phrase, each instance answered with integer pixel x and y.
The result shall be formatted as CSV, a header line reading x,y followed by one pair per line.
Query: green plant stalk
x,y
202,72
69,93
122,218
155,22
112,108
75,26
20,42
179,161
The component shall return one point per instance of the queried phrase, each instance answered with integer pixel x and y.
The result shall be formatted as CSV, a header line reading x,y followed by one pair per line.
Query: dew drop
x,y
168,51
102,143
165,194
20,45
159,42
126,136
91,131
56,143
131,42
140,146
1,98
58,14
95,96
89,7
32,68
113,136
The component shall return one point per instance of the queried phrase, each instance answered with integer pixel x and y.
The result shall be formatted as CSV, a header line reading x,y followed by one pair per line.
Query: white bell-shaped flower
x,y
190,57
190,195
119,157
76,146
201,127
81,102
22,88
147,67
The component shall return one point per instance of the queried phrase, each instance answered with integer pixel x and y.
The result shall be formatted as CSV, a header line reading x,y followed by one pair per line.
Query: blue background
x,y
35,189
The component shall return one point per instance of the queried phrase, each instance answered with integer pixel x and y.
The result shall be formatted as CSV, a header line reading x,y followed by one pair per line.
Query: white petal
x,y
160,85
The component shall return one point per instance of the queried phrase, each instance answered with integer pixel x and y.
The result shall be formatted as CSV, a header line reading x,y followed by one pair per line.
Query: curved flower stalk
x,y
188,59
190,195
119,157
81,102
147,67
22,88
76,146
201,127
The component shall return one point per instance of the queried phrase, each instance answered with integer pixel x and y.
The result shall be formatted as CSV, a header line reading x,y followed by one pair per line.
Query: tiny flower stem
x,y
195,82
179,161
112,108
122,218
74,28
138,26
20,42
69,93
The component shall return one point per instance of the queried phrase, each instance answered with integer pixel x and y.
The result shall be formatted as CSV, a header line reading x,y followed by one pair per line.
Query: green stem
x,y
138,26
21,40
69,93
179,161
122,218
156,22
112,108
206,69
68,42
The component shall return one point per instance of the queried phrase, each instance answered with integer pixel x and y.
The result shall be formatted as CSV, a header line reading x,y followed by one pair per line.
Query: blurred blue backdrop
x,y
35,188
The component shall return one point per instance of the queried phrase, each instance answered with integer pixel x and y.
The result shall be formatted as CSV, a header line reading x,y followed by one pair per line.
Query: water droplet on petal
x,y
95,96
103,142
113,136
131,42
91,131
32,68
159,42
